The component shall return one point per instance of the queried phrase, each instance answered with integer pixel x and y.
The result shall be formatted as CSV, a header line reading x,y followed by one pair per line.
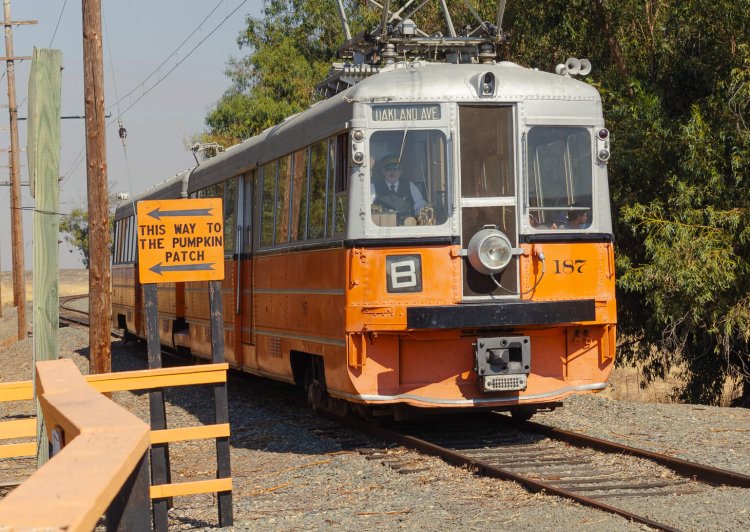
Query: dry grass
x,y
627,383
72,282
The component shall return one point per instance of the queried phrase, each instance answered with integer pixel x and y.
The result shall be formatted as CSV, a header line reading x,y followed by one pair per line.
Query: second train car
x,y
437,236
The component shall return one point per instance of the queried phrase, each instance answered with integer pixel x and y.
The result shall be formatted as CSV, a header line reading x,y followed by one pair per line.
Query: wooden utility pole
x,y
16,223
98,201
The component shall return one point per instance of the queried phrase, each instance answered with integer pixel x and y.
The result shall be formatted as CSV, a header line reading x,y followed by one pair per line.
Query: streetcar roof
x,y
413,81
441,81
174,187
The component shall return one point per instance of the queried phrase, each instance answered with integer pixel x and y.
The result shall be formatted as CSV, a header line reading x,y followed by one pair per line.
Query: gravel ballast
x,y
294,471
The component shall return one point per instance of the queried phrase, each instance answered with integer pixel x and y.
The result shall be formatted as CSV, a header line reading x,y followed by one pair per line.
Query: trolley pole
x,y
98,202
16,222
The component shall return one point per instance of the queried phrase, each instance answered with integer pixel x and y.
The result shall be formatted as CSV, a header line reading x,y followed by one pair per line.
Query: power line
x,y
180,61
79,158
197,28
58,23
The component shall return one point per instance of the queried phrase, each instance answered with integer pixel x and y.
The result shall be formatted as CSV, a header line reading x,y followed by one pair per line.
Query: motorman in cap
x,y
394,194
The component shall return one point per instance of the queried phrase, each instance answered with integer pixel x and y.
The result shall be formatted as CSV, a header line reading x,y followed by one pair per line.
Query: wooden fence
x,y
93,402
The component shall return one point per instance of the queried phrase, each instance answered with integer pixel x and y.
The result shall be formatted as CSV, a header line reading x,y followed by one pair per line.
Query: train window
x,y
409,181
267,202
282,200
230,215
317,192
247,213
299,195
486,152
128,237
121,251
133,249
341,173
559,177
124,251
331,206
214,191
117,243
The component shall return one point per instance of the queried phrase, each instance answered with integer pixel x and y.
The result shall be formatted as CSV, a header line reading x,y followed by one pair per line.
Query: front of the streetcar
x,y
481,269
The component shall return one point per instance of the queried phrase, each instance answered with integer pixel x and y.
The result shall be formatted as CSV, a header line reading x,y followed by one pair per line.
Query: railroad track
x,y
593,472
71,315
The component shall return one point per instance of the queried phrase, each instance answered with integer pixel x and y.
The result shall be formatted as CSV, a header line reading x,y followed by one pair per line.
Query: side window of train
x,y
127,237
117,244
247,213
230,215
282,200
121,249
267,203
133,248
340,156
317,192
124,240
300,165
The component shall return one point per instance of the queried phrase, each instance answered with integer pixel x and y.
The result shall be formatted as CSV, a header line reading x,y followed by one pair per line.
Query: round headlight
x,y
490,251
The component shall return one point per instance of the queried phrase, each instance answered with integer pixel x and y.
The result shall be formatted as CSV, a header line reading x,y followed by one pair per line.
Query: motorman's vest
x,y
401,201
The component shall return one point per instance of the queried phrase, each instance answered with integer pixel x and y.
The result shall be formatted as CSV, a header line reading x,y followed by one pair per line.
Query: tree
x,y
290,50
75,228
675,84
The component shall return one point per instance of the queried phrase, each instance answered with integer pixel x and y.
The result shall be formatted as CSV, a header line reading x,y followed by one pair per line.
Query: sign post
x,y
183,240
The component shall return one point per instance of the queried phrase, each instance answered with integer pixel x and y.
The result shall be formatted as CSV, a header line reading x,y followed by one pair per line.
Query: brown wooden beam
x,y
98,201
19,270
17,22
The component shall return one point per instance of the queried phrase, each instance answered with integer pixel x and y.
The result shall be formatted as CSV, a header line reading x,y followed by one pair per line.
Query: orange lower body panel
x,y
335,304
437,370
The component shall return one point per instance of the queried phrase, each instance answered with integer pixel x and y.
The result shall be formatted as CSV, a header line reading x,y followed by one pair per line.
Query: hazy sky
x,y
138,37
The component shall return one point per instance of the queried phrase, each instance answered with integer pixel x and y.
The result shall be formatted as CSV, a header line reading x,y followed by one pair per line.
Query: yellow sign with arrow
x,y
180,240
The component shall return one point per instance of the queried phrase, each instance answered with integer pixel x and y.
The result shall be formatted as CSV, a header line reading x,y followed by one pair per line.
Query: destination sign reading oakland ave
x,y
180,240
399,113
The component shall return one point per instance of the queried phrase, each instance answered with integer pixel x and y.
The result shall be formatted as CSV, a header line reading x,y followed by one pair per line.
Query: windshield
x,y
559,178
409,178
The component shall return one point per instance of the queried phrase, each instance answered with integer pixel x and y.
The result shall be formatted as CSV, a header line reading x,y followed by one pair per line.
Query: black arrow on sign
x,y
158,213
182,268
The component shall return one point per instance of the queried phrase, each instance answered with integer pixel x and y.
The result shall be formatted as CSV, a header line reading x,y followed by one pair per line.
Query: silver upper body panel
x,y
173,188
438,81
539,98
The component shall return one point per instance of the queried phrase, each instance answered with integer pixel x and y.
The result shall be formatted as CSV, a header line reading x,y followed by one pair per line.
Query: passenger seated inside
x,y
391,194
576,219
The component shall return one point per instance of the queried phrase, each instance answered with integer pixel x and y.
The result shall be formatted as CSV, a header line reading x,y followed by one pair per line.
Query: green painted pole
x,y
43,149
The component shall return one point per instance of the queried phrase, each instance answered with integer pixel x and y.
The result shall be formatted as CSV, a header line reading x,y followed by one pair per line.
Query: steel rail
x,y
704,473
64,300
483,468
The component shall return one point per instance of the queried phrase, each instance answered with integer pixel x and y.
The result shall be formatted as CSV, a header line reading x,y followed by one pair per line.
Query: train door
x,y
244,296
488,191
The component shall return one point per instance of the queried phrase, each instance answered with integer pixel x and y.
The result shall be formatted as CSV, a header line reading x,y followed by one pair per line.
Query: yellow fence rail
x,y
129,381
104,444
